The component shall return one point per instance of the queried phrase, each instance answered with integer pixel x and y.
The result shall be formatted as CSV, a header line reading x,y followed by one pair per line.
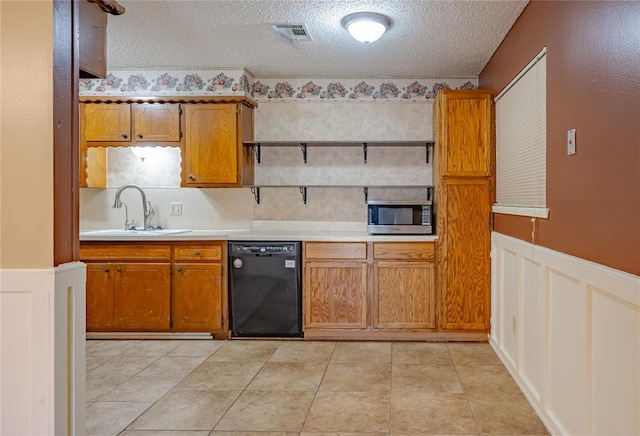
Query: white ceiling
x,y
427,38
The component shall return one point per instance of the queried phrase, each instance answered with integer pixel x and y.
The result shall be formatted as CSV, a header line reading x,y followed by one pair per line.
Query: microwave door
x,y
403,217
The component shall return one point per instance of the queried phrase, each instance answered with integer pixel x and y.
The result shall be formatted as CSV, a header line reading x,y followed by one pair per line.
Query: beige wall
x,y
26,134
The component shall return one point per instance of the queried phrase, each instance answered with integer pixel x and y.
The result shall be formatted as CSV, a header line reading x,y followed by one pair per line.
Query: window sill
x,y
536,212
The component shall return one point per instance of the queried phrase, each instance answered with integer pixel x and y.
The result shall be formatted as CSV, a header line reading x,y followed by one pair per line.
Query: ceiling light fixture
x,y
366,26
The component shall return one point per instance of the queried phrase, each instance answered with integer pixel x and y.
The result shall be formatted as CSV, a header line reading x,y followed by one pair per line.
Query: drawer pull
x,y
197,253
124,135
178,269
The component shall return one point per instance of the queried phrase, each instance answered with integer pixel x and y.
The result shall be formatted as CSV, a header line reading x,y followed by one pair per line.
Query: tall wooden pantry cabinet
x,y
464,177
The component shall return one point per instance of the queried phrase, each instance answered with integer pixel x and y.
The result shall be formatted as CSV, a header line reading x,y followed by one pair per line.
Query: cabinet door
x,y
197,297
156,122
142,297
106,122
464,265
334,294
403,295
465,133
92,40
100,282
211,149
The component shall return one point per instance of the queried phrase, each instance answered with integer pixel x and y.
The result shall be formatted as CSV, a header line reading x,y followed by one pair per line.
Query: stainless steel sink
x,y
137,232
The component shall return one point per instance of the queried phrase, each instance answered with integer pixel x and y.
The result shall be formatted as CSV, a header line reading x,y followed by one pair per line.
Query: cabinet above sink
x,y
208,131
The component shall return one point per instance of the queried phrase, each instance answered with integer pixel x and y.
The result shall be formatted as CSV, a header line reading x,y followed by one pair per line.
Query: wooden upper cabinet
x,y
465,133
130,124
156,122
213,145
105,122
92,32
92,36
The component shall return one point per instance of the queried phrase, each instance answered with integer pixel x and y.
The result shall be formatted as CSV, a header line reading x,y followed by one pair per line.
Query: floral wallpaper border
x,y
230,82
265,89
152,82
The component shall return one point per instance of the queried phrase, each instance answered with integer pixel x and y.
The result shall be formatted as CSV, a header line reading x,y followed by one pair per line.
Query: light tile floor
x,y
267,387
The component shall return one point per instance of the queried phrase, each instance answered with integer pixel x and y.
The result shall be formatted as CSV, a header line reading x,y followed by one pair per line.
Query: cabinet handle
x,y
119,269
124,135
139,136
179,269
197,253
106,271
191,177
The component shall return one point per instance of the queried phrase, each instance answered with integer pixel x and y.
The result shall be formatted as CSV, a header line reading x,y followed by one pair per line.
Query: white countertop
x,y
261,235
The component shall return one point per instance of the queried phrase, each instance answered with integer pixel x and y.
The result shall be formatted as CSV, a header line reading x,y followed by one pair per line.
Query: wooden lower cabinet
x,y
403,285
368,290
197,297
100,288
464,264
335,294
155,287
403,295
128,296
142,297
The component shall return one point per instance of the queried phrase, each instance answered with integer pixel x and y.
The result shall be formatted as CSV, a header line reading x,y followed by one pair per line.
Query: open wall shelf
x,y
255,190
257,145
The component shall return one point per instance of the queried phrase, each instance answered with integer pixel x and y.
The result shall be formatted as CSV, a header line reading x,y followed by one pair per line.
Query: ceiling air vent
x,y
293,32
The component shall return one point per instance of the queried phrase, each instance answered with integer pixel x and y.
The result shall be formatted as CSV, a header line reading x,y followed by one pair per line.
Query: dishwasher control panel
x,y
264,248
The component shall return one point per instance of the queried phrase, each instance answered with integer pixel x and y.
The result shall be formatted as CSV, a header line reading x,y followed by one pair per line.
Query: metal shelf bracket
x,y
256,193
364,151
366,194
303,191
303,147
256,150
428,147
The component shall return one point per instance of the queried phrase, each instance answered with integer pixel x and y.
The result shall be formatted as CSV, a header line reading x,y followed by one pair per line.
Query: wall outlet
x,y
175,207
571,142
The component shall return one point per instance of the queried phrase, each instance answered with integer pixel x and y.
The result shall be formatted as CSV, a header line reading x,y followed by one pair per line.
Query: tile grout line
x,y
245,388
464,391
126,427
315,394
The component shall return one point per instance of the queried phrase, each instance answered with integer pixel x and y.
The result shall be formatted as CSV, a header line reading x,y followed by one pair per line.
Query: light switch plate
x,y
571,142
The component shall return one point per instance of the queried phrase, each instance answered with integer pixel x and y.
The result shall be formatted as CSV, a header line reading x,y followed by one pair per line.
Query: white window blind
x,y
521,142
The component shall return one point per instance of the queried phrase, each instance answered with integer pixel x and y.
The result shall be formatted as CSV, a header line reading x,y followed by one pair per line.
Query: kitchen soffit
x,y
426,39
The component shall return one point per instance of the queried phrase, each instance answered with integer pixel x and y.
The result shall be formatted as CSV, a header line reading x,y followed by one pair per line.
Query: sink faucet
x,y
147,210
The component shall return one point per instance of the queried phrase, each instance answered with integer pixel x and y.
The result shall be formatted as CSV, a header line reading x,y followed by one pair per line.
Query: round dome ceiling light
x,y
366,26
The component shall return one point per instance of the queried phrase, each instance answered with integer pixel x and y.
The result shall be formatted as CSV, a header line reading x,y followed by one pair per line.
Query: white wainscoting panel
x,y
42,350
568,330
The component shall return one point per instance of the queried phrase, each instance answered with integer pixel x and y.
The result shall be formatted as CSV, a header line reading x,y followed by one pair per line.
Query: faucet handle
x,y
148,216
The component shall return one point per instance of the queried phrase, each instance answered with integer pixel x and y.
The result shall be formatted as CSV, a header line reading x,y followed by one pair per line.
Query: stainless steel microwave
x,y
400,217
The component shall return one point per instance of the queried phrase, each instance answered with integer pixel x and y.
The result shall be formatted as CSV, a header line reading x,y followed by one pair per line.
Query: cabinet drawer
x,y
198,252
123,252
404,250
335,250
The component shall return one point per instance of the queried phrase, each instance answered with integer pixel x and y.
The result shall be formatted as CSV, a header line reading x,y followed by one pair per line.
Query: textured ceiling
x,y
426,39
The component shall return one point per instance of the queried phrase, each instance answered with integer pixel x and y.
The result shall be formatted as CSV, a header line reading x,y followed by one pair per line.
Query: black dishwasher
x,y
265,291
